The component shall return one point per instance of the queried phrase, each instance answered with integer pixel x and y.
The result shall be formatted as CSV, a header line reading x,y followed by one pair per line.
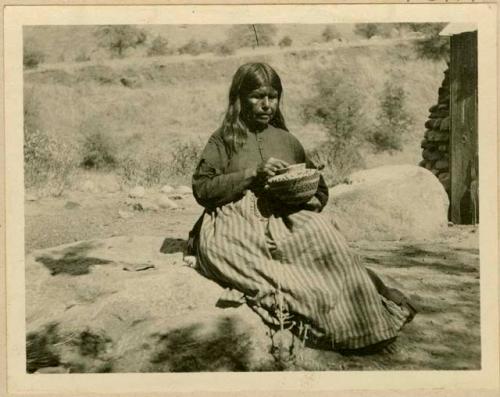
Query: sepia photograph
x,y
252,197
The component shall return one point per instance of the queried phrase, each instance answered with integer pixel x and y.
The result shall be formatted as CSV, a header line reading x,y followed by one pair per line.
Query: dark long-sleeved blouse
x,y
219,180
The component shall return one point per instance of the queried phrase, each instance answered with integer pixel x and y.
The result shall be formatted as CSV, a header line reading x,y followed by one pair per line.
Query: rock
x,y
167,189
390,203
433,108
436,136
441,165
444,178
433,124
183,190
125,214
176,197
30,197
165,202
109,320
445,124
71,205
89,187
431,155
137,192
110,185
438,115
137,267
150,206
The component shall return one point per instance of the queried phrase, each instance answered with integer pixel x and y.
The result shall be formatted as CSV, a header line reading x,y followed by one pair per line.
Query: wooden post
x,y
464,135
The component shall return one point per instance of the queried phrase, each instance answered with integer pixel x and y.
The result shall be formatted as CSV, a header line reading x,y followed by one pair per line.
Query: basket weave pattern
x,y
295,188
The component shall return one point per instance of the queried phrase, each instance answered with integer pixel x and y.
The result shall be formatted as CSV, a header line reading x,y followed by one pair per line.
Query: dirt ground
x,y
442,277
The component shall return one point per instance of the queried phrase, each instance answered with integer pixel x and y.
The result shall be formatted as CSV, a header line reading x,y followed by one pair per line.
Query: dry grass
x,y
148,107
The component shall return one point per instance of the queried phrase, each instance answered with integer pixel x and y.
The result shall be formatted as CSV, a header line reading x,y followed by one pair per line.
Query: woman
x,y
291,263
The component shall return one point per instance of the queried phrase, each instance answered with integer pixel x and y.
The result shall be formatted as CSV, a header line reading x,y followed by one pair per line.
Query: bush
x,y
159,47
32,57
285,42
222,49
193,47
369,30
155,167
48,162
330,33
97,151
241,36
339,161
435,48
184,157
83,56
393,120
118,38
336,106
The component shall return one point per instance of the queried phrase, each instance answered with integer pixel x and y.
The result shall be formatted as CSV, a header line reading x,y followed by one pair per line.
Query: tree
x,y
32,57
330,33
193,47
367,30
118,38
432,46
239,36
393,120
159,46
285,42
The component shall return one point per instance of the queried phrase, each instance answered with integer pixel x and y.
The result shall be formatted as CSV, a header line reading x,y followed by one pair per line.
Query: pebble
x,y
125,214
165,202
71,205
167,189
183,190
89,186
137,192
176,197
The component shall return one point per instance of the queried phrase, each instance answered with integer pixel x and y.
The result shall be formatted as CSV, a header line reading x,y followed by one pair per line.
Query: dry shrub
x,y
336,106
339,161
285,42
48,162
194,47
153,166
32,57
393,120
97,149
159,47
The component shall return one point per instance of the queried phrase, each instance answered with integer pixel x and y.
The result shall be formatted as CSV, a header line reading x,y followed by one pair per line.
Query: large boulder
x,y
390,203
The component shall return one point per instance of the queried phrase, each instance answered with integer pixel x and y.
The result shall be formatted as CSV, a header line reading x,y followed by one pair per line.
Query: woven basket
x,y
295,187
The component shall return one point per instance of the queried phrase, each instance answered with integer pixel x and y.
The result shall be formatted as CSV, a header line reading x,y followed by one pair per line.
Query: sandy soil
x,y
442,277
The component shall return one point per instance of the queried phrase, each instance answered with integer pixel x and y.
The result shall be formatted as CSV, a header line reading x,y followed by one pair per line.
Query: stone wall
x,y
436,142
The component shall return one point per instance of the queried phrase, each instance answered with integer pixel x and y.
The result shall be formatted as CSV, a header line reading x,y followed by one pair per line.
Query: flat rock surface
x,y
112,302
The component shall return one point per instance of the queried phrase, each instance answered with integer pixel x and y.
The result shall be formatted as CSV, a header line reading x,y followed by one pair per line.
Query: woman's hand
x,y
269,168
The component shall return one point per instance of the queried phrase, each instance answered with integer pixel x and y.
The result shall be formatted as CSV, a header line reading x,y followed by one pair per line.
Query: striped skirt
x,y
300,264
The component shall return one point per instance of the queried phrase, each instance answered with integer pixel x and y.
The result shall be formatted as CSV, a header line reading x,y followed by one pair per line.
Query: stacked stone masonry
x,y
436,142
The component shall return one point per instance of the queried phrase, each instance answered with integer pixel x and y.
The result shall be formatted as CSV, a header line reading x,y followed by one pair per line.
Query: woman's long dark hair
x,y
247,78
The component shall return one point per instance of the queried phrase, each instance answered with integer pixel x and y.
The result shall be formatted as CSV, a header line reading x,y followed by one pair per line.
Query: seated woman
x,y
284,259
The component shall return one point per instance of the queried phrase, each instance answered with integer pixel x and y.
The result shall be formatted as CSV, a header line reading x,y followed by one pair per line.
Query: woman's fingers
x,y
273,165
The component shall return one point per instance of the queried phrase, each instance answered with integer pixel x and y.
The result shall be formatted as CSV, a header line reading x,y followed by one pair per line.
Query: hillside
x,y
149,106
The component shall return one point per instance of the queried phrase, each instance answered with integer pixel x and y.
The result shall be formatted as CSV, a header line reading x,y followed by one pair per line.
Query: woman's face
x,y
261,105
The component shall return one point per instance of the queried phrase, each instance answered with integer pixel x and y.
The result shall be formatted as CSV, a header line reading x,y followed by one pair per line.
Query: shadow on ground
x,y
192,349
74,260
173,245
